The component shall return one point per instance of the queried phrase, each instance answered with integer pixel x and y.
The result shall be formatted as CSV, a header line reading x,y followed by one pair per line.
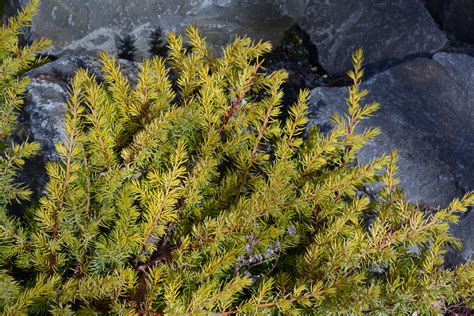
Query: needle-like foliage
x,y
190,196
15,59
125,45
157,42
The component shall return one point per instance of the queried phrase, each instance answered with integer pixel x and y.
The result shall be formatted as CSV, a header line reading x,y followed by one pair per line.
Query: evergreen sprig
x,y
157,42
125,45
191,196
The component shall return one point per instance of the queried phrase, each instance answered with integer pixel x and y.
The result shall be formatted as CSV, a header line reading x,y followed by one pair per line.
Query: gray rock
x,y
388,31
42,117
427,114
85,27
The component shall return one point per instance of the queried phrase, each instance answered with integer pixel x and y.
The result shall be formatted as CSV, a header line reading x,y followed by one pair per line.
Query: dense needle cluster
x,y
126,46
191,196
157,43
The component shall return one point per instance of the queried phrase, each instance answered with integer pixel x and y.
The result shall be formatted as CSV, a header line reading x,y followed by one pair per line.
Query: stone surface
x,y
42,117
427,114
389,31
88,26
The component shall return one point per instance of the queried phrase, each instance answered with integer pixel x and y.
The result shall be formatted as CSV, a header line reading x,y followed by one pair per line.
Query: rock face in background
x,y
389,31
91,25
427,114
42,117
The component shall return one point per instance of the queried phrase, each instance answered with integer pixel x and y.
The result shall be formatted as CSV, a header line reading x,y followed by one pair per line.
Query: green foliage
x,y
191,196
157,42
126,46
14,60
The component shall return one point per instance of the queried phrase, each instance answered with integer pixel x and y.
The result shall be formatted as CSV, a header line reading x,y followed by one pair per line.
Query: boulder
x,y
42,116
85,27
427,115
389,32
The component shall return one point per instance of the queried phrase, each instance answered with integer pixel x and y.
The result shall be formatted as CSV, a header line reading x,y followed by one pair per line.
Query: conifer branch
x,y
239,97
